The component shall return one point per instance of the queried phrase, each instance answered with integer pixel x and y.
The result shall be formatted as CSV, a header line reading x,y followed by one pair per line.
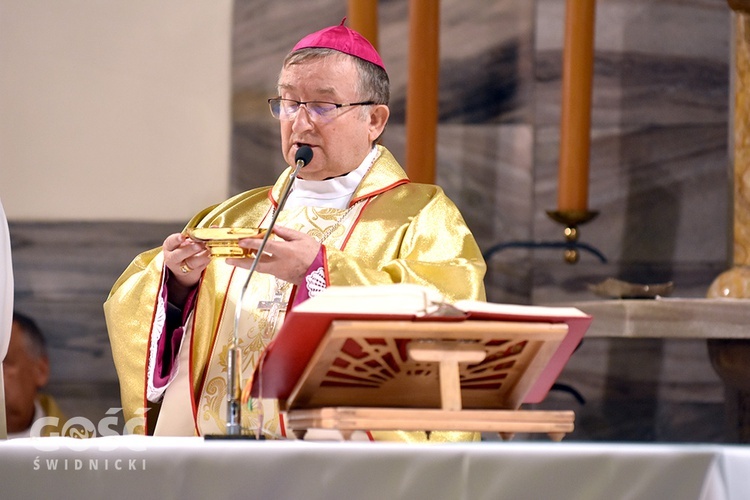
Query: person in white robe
x,y
6,306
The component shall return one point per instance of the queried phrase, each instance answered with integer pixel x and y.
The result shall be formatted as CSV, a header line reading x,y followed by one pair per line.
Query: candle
x,y
363,18
575,123
422,90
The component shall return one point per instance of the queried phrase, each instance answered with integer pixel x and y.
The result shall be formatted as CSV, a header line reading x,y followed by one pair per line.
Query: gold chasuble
x,y
393,231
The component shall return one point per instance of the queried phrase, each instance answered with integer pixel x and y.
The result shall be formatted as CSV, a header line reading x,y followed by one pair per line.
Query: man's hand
x,y
186,259
287,256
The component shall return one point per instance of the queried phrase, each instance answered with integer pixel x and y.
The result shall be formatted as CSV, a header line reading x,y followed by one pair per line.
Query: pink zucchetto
x,y
344,40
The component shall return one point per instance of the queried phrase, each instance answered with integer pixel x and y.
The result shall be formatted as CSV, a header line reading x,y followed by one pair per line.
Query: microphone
x,y
304,155
234,365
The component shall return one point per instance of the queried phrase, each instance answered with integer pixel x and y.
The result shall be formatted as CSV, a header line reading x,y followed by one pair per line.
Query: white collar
x,y
330,193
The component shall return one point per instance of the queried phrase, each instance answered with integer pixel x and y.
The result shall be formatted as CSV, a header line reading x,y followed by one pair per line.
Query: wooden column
x,y
422,89
731,358
575,125
363,17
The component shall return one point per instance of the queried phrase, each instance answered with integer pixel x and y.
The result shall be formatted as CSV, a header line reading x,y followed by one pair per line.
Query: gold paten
x,y
224,241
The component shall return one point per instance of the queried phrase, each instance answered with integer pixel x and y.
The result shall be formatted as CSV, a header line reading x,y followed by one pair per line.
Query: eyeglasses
x,y
320,111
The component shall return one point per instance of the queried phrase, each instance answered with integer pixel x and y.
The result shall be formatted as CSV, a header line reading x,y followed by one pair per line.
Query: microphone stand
x,y
234,363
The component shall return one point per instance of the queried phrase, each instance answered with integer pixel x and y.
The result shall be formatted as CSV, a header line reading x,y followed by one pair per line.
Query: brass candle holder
x,y
571,219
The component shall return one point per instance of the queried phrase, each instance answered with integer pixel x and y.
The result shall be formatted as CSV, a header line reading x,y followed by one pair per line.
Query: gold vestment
x,y
402,232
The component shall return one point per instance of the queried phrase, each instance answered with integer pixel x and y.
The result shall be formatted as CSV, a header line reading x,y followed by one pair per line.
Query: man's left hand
x,y
287,256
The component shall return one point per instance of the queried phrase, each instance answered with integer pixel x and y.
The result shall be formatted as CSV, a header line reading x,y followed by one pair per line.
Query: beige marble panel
x,y
63,274
668,318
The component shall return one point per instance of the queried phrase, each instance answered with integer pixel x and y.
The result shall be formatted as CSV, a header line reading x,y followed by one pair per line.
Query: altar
x,y
672,318
149,467
688,378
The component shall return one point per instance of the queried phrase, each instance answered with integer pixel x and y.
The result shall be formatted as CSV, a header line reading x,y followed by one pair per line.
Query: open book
x,y
286,359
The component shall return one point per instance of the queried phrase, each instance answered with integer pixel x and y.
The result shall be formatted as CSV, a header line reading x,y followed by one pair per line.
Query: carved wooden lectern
x,y
371,371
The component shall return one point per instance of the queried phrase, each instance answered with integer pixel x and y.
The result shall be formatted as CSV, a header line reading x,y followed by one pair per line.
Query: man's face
x,y
340,145
24,375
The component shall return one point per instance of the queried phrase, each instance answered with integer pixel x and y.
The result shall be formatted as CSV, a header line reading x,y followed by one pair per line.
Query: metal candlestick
x,y
571,219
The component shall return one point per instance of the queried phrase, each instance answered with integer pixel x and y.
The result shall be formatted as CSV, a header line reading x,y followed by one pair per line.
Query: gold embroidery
x,y
328,224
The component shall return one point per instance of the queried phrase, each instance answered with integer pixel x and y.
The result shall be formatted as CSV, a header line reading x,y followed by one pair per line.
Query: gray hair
x,y
373,84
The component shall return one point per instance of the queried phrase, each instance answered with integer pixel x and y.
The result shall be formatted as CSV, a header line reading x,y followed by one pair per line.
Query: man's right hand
x,y
186,258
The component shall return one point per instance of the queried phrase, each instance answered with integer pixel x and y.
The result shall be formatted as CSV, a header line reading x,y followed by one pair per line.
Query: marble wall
x,y
63,274
659,180
658,172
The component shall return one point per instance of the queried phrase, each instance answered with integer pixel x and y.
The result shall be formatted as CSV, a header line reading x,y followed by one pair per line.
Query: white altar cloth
x,y
184,468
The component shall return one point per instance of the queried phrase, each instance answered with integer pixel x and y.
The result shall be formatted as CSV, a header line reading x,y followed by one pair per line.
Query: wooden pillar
x,y
363,18
731,358
575,125
422,89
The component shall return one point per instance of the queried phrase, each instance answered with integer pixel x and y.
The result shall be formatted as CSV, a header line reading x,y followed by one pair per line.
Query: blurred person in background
x,y
26,368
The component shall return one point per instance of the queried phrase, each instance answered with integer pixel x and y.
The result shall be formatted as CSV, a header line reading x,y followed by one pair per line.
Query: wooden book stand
x,y
429,376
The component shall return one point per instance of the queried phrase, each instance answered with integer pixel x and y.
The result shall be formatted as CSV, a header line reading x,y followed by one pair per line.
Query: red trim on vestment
x,y
383,190
325,265
273,202
193,395
282,426
354,224
148,351
292,294
193,405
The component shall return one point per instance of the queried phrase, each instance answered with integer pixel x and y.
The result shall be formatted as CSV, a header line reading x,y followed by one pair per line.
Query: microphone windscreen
x,y
304,154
